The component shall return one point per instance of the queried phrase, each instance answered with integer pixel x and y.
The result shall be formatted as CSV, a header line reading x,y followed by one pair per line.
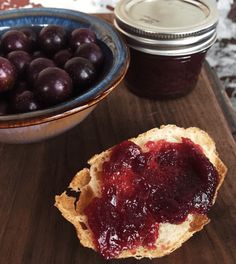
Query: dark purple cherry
x,y
21,60
92,52
7,75
53,86
80,36
32,37
36,66
61,57
81,71
52,38
24,102
14,40
4,108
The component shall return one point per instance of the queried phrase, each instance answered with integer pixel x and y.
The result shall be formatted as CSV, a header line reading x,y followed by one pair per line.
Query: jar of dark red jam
x,y
168,41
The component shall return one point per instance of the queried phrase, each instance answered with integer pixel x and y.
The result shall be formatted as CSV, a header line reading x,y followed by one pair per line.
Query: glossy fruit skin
x,y
32,37
52,38
91,52
36,66
80,36
81,71
7,75
26,52
61,57
14,40
21,60
53,86
24,102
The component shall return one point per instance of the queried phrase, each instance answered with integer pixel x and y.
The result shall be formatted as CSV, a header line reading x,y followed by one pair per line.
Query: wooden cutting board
x,y
32,229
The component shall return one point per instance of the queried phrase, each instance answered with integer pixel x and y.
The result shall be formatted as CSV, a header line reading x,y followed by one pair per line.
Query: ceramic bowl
x,y
42,124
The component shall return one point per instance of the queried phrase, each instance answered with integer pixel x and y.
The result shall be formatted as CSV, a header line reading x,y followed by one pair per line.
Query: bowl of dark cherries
x,y
56,65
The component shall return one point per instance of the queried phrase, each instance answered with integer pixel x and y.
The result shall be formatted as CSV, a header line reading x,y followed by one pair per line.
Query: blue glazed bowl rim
x,y
83,101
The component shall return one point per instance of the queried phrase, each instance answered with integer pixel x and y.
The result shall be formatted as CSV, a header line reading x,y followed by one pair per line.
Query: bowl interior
x,y
115,51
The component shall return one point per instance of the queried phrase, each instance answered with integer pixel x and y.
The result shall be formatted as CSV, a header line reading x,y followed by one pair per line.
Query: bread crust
x,y
87,181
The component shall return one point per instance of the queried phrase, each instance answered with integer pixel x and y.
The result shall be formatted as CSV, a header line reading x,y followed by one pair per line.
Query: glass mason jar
x,y
168,41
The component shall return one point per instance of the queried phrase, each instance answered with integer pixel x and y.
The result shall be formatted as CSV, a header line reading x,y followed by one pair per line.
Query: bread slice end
x,y
86,184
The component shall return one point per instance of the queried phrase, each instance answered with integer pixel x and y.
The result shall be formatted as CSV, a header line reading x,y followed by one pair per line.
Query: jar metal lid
x,y
167,27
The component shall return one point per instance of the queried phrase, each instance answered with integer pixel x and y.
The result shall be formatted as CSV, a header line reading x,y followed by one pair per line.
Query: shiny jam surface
x,y
141,189
160,77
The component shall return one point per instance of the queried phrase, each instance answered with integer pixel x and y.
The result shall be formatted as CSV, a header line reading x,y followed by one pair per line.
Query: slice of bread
x,y
87,183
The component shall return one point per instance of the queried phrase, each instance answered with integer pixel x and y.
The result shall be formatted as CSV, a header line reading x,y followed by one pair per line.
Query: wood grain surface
x,y
32,231
222,98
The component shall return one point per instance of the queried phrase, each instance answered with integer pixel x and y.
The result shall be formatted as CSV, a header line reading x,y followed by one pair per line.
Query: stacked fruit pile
x,y
41,68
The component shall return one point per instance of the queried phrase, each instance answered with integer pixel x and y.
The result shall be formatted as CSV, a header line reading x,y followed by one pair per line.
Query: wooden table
x,y
32,229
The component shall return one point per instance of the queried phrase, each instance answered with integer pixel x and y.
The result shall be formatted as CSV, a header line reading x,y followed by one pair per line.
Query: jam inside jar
x,y
168,42
160,77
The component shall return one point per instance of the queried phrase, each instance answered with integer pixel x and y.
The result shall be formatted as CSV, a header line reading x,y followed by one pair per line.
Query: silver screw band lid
x,y
167,27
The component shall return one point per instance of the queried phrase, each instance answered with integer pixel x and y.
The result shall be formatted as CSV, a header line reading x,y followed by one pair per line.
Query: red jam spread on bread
x,y
142,189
